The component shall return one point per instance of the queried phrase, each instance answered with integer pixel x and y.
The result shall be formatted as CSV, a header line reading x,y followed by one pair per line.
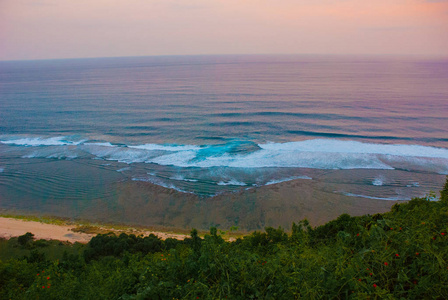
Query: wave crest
x,y
315,154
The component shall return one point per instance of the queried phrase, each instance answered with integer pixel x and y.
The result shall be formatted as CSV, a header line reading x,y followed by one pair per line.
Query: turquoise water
x,y
71,129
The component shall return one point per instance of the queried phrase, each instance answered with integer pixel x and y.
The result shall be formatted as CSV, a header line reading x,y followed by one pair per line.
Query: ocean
x,y
73,130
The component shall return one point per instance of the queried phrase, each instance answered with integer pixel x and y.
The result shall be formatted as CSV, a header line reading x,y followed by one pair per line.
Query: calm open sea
x,y
71,129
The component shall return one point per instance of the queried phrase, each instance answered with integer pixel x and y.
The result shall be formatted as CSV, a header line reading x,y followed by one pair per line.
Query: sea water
x,y
72,129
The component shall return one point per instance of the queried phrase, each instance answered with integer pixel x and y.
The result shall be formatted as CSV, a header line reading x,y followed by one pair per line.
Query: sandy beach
x,y
10,227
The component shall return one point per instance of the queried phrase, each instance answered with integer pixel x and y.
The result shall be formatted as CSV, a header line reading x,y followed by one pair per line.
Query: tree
x,y
444,192
25,239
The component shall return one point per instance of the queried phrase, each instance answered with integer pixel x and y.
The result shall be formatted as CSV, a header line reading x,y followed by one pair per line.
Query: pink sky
x,y
46,29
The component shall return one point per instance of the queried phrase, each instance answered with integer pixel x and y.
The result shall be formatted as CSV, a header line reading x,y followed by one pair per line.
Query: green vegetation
x,y
42,219
401,254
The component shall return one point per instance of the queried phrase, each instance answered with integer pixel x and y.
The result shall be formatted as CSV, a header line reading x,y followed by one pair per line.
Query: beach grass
x,y
41,219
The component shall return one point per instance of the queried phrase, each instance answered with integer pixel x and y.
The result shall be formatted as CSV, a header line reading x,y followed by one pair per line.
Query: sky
x,y
54,29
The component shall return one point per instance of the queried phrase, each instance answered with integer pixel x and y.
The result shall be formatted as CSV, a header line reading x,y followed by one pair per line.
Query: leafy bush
x,y
26,239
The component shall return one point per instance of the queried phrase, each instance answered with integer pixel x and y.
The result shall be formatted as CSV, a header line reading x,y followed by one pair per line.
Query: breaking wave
x,y
232,182
314,154
39,141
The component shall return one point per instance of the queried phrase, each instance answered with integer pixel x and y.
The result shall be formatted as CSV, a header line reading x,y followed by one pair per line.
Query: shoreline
x,y
72,232
145,208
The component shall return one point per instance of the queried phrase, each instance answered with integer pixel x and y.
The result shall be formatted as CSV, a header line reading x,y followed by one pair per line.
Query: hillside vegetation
x,y
401,254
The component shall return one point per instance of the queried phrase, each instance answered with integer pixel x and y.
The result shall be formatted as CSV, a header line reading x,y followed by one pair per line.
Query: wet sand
x,y
146,204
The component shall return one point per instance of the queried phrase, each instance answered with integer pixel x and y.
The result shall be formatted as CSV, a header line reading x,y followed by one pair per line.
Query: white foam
x,y
123,169
107,144
62,156
156,181
114,153
267,158
378,198
378,181
52,153
232,182
181,178
176,148
339,146
179,159
38,141
287,179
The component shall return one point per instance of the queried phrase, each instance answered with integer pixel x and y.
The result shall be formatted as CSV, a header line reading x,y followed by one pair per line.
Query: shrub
x,y
26,239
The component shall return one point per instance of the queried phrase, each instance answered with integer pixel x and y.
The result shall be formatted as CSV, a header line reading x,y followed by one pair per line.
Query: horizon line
x,y
389,55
